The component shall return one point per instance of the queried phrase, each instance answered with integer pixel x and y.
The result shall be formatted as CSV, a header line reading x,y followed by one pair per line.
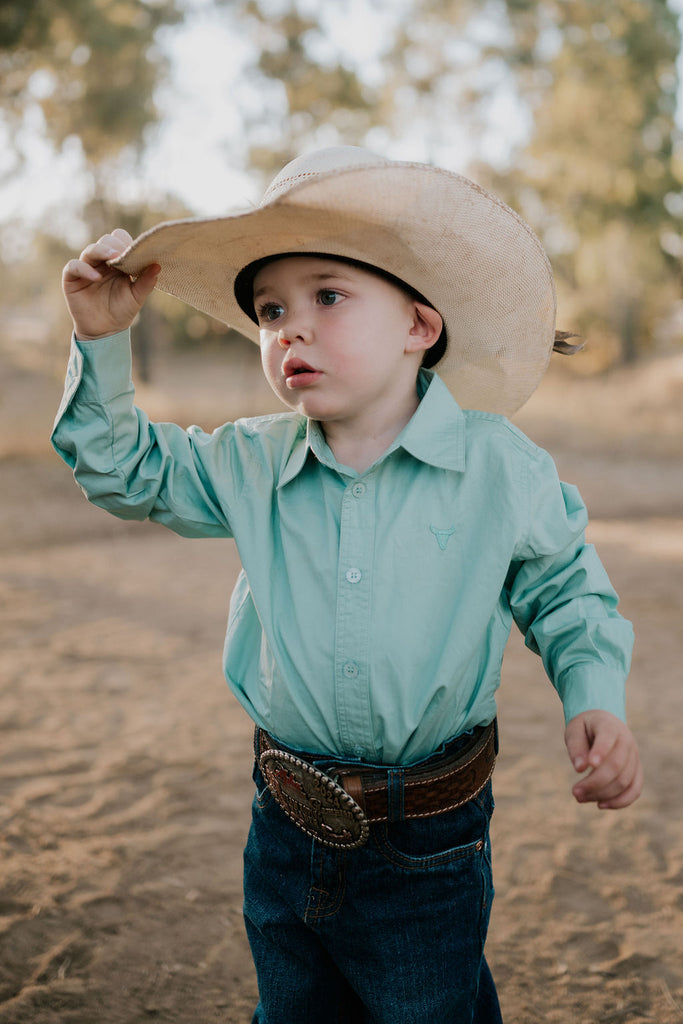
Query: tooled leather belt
x,y
338,805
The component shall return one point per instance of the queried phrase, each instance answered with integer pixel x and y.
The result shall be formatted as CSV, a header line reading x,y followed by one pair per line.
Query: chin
x,y
316,410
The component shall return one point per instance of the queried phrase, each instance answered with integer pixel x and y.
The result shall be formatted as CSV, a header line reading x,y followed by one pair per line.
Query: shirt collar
x,y
311,439
435,434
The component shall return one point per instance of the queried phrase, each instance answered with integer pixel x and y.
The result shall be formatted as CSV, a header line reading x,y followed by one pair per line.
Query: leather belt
x,y
336,806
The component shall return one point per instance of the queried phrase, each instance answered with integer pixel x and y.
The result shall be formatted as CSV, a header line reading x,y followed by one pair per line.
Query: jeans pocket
x,y
421,843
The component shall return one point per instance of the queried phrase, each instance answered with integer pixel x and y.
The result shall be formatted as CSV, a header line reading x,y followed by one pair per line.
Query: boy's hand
x,y
601,742
101,299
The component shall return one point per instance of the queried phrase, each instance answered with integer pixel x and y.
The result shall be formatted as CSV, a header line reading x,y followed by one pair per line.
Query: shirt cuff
x,y
105,366
97,370
591,687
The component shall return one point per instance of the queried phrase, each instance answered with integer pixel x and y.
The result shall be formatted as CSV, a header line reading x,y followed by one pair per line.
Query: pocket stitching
x,y
413,863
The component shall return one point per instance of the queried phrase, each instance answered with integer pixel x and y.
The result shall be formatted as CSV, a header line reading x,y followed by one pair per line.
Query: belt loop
x,y
395,810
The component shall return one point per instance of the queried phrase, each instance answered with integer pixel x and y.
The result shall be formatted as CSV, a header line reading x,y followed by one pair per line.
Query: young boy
x,y
388,540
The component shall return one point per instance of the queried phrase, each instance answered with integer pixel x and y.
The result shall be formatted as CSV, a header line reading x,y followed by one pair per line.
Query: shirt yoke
x,y
501,427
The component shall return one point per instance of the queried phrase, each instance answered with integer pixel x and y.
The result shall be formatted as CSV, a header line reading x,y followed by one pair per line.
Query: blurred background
x,y
129,112
125,783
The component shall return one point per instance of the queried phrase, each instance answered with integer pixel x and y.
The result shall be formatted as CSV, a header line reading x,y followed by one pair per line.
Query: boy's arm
x,y
563,602
127,465
136,469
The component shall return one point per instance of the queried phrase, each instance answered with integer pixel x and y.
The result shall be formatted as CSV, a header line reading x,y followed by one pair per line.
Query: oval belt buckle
x,y
315,802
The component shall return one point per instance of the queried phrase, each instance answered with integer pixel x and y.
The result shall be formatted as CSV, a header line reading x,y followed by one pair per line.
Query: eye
x,y
269,311
328,296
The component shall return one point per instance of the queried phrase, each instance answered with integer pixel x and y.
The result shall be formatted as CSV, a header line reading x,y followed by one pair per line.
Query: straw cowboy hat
x,y
472,257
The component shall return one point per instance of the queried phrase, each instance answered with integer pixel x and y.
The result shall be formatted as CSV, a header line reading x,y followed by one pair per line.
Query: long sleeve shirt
x,y
372,611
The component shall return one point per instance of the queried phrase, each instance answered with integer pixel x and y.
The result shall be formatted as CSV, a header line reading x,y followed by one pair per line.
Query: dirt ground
x,y
125,780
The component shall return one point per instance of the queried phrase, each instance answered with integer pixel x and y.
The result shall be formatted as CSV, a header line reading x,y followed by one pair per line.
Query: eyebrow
x,y
315,278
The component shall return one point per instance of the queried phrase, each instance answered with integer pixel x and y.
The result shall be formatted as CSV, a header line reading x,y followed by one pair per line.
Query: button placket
x,y
352,643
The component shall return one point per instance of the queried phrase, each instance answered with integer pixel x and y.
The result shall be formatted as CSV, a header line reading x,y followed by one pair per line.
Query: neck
x,y
359,445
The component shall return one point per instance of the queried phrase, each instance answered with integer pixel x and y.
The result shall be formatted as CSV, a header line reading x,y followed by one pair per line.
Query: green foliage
x,y
602,143
599,177
599,173
308,91
89,64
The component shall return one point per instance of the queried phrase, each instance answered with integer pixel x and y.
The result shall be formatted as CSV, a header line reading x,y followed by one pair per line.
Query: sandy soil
x,y
125,780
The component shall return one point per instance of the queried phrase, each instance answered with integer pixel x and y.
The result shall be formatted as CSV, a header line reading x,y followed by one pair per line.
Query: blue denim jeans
x,y
390,933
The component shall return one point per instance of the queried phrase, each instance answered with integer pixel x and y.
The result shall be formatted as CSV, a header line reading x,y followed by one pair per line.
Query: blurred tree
x,y
590,84
305,84
90,66
599,176
89,70
594,83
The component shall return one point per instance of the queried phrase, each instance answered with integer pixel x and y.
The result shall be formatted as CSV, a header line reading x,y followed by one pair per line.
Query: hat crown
x,y
318,164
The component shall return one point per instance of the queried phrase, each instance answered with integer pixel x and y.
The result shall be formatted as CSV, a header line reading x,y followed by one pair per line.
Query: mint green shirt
x,y
373,609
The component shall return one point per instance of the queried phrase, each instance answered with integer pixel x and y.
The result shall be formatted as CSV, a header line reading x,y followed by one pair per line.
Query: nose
x,y
296,326
301,334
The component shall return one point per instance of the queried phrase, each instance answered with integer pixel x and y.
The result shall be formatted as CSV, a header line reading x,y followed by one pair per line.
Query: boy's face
x,y
337,342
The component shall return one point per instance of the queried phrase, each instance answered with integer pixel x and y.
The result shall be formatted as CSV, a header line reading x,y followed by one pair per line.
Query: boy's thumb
x,y
144,283
578,744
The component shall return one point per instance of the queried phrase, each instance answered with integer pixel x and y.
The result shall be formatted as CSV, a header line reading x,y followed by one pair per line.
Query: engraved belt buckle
x,y
315,802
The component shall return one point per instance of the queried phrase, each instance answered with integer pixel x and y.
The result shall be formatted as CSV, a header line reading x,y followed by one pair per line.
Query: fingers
x,y
627,796
145,282
122,234
102,299
77,271
578,743
616,782
604,744
91,265
108,247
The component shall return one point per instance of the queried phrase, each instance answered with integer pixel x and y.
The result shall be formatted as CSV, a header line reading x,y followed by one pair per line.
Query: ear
x,y
426,328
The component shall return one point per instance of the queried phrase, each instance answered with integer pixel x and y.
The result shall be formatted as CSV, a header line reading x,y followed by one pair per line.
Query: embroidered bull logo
x,y
442,536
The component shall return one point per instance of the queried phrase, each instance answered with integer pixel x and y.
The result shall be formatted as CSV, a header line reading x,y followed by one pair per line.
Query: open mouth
x,y
290,367
297,373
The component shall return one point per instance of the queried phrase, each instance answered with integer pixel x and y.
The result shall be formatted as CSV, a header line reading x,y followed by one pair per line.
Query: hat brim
x,y
477,262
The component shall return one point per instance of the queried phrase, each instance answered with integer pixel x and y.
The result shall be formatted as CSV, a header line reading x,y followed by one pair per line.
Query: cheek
x,y
269,353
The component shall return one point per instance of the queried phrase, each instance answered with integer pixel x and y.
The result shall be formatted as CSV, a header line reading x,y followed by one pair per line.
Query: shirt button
x,y
359,751
350,670
353,575
358,490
